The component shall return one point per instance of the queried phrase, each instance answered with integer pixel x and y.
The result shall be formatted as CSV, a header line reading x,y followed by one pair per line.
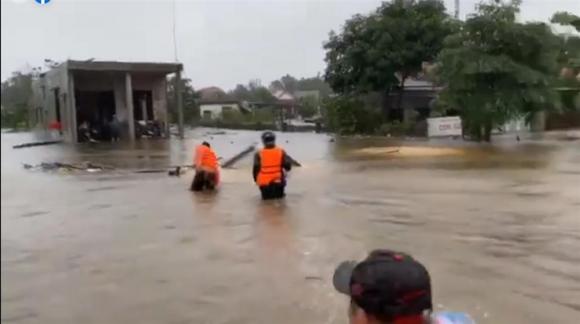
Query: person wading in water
x,y
206,168
270,165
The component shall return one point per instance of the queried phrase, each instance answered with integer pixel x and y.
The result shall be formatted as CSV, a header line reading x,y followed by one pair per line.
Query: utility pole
x,y
174,34
456,9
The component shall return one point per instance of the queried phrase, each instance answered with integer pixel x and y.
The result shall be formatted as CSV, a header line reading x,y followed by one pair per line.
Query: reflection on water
x,y
119,247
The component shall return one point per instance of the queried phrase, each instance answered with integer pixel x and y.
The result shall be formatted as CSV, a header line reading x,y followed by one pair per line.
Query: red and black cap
x,y
386,284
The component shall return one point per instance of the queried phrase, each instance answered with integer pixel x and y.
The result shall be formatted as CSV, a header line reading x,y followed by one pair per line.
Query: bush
x,y
260,119
348,115
395,128
263,115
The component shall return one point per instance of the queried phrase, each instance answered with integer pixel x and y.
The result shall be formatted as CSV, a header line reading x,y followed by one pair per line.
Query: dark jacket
x,y
286,163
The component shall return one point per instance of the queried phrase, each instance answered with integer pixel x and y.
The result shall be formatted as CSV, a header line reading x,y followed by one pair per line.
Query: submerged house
x,y
216,109
96,93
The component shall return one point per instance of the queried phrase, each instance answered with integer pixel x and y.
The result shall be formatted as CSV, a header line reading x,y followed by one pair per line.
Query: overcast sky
x,y
221,43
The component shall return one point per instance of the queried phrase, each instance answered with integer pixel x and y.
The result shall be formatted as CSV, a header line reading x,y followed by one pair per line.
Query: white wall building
x,y
216,109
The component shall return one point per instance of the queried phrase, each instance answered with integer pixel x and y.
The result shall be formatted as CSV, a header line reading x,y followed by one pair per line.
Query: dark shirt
x,y
286,163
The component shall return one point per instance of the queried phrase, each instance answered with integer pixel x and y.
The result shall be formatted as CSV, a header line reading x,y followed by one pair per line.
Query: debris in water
x,y
58,166
411,151
215,133
35,144
239,156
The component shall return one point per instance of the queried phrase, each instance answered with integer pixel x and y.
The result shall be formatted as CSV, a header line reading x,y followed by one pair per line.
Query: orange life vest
x,y
205,159
270,166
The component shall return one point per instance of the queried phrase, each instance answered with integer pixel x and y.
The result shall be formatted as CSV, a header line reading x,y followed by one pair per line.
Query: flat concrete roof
x,y
124,66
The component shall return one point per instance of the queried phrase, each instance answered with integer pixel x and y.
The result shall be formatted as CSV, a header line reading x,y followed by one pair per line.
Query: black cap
x,y
386,284
206,144
268,137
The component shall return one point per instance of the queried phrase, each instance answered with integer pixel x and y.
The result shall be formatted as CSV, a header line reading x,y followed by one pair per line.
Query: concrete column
x,y
179,101
538,123
70,102
129,105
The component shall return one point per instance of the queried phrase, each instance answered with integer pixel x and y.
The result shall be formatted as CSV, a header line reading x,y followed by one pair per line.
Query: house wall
x,y
44,107
67,82
157,84
103,81
216,110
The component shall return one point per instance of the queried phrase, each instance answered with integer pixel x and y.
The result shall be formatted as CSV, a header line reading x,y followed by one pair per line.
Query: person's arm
x,y
286,161
257,166
197,157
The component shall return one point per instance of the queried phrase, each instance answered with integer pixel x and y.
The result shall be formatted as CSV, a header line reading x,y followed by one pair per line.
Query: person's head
x,y
385,288
269,139
205,144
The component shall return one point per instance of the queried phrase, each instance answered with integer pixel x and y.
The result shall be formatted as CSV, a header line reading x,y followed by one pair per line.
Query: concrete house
x,y
215,109
96,92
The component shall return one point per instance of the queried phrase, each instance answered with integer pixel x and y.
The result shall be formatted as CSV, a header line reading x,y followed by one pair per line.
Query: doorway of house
x,y
146,124
57,104
95,111
143,105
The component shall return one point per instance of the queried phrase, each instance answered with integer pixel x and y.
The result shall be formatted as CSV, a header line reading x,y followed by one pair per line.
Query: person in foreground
x,y
390,288
206,168
270,165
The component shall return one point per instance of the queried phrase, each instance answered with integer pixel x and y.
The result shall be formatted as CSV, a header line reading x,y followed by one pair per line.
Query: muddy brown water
x,y
497,226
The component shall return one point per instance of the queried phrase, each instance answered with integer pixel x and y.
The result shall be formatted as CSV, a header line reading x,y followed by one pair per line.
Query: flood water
x,y
497,226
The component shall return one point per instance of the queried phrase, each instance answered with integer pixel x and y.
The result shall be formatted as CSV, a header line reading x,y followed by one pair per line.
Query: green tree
x,y
347,115
378,52
286,83
566,18
16,99
316,84
495,69
253,92
308,106
569,45
290,84
241,93
190,97
263,95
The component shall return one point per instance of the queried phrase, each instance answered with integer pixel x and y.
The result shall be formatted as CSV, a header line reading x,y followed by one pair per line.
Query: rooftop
x,y
123,66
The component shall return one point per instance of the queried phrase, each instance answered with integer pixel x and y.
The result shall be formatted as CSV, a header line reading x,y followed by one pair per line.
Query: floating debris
x,y
58,166
239,156
216,133
35,144
411,151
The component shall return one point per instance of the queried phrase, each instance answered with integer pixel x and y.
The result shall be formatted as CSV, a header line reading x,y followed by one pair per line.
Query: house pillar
x,y
538,123
179,100
129,105
70,102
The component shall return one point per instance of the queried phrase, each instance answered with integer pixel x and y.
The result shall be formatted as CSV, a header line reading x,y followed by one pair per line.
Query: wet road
x,y
498,227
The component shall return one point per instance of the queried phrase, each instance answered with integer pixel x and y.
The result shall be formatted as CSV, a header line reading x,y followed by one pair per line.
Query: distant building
x,y
417,100
282,95
94,93
286,102
215,109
